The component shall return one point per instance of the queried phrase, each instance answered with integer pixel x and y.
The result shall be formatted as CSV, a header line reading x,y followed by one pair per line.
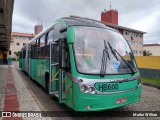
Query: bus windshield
x,y
89,51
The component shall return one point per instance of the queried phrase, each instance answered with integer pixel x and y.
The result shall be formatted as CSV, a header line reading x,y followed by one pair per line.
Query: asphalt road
x,y
150,102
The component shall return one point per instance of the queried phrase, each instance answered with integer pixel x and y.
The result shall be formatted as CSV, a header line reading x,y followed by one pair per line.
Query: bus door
x,y
56,86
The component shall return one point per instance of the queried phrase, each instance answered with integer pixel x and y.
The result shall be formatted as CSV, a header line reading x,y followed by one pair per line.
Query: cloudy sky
x,y
143,15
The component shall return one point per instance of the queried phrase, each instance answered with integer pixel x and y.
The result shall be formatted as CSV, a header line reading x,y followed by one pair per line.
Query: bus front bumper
x,y
98,102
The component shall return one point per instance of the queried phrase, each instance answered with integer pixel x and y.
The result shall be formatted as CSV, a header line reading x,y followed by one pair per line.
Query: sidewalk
x,y
14,95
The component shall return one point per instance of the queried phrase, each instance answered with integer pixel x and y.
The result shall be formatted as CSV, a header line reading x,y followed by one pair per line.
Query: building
x,y
133,37
110,16
6,10
153,48
18,40
38,29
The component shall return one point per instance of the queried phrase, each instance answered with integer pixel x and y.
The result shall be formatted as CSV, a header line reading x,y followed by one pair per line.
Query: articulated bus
x,y
85,64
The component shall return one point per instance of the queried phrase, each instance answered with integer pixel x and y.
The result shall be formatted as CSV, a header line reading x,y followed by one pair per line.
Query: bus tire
x,y
47,82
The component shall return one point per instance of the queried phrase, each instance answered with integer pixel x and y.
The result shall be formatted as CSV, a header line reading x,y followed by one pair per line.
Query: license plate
x,y
107,87
122,100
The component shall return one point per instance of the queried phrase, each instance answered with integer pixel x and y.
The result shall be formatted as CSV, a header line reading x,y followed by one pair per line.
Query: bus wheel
x,y
47,82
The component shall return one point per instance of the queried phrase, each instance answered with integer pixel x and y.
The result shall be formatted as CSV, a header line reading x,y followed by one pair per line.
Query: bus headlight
x,y
83,88
87,89
91,89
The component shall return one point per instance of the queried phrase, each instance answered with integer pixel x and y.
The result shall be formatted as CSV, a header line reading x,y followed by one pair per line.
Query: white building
x,y
18,40
153,48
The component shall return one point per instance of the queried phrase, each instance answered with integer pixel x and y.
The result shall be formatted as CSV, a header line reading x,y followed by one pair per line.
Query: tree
x,y
147,53
16,53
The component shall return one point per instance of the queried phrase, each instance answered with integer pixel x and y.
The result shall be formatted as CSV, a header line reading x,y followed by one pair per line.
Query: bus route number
x,y
108,87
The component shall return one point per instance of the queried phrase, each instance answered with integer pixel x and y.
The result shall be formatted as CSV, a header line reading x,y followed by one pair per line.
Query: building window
x,y
29,38
136,43
126,33
132,38
141,43
17,44
136,52
24,44
17,37
140,52
132,34
133,43
140,35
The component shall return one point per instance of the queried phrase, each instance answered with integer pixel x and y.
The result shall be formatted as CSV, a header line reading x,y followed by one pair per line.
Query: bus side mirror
x,y
63,56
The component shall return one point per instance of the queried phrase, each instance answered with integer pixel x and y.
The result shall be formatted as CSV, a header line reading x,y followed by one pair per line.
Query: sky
x,y
142,15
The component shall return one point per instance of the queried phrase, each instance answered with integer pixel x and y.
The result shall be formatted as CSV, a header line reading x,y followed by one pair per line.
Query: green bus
x,y
85,64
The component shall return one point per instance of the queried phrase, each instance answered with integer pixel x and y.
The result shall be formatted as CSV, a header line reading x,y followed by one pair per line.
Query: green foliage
x,y
147,53
15,59
17,53
151,80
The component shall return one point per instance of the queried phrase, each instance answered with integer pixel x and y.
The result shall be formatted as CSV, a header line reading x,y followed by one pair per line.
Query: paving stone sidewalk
x,y
26,98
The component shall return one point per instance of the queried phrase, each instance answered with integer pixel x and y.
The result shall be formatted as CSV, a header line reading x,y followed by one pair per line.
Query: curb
x,y
151,85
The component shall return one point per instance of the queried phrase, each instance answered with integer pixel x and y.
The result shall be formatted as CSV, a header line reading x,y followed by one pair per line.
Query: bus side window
x,y
20,55
50,36
24,53
49,39
29,51
36,48
42,47
55,52
57,34
33,49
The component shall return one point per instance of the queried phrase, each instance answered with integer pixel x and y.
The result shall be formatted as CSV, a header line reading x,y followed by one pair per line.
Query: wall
x,y
1,57
153,50
149,66
3,60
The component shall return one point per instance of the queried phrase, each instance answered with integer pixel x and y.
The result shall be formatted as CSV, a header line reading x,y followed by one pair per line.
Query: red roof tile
x,y
149,45
22,34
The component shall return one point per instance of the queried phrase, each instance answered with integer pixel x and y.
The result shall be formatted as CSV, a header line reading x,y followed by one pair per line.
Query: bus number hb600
x,y
108,87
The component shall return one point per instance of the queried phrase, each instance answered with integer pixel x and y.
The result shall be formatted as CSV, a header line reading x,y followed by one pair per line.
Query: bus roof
x,y
80,21
73,21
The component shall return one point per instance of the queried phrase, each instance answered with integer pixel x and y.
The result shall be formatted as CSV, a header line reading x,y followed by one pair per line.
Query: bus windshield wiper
x,y
104,60
115,53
